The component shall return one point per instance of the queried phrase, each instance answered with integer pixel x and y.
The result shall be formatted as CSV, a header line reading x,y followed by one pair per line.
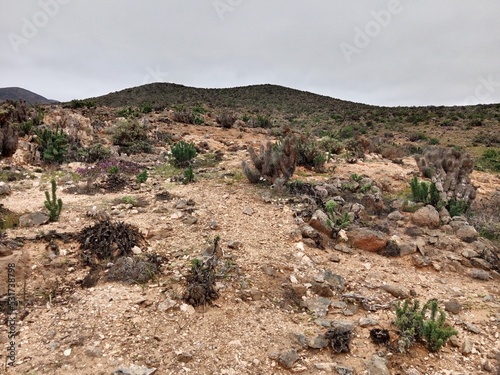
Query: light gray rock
x,y
33,219
467,233
134,370
395,215
4,188
426,217
377,366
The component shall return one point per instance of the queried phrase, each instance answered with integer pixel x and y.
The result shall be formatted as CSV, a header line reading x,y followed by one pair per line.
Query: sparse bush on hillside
x,y
183,153
184,117
226,119
275,163
310,155
76,103
131,136
489,160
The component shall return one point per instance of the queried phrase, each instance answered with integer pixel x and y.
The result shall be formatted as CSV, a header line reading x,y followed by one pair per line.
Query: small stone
x,y
454,341
365,322
234,244
93,351
377,366
33,219
184,357
426,217
288,358
472,328
67,352
248,211
453,306
396,290
466,346
136,250
319,342
187,309
134,370
395,215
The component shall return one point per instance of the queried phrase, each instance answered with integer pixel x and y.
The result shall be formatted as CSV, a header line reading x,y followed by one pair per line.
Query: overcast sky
x,y
387,52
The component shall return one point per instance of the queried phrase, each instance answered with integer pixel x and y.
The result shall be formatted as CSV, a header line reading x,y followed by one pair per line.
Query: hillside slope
x,y
18,93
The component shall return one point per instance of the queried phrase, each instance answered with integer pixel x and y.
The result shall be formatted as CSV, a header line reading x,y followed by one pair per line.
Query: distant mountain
x,y
17,93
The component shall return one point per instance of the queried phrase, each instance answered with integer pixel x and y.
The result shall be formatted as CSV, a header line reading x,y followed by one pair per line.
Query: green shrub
x,y
53,144
489,160
76,103
424,192
183,153
142,177
310,154
188,175
435,332
413,325
346,132
52,203
146,108
131,136
457,208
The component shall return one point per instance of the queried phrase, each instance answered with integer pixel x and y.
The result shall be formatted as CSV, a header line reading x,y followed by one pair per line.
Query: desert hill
x,y
166,256
18,93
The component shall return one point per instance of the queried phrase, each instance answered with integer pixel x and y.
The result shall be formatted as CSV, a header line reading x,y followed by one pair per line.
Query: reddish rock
x,y
367,239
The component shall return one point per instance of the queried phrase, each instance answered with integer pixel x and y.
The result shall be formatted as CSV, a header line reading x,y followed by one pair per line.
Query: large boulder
x,y
320,222
426,217
367,239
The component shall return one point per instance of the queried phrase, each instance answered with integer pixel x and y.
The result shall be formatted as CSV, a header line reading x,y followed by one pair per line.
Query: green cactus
x,y
53,204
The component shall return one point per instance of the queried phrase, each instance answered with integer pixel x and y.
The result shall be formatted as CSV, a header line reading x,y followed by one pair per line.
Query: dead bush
x,y
108,240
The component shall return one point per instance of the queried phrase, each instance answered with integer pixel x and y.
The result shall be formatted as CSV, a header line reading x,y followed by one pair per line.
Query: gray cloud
x,y
385,52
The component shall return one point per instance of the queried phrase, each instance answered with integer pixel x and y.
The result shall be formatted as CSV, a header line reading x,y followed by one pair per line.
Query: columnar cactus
x,y
450,171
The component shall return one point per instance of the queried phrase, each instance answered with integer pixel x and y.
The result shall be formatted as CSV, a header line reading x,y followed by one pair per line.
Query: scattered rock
x,y
4,188
367,239
33,219
426,217
248,211
377,366
318,305
467,233
480,274
453,306
288,358
319,221
365,322
395,215
467,346
319,342
396,290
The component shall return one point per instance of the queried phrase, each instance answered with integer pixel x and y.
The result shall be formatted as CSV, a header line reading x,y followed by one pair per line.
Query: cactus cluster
x,y
275,163
449,170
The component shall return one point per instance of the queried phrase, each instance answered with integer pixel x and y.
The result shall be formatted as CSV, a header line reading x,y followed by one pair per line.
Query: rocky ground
x,y
282,283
